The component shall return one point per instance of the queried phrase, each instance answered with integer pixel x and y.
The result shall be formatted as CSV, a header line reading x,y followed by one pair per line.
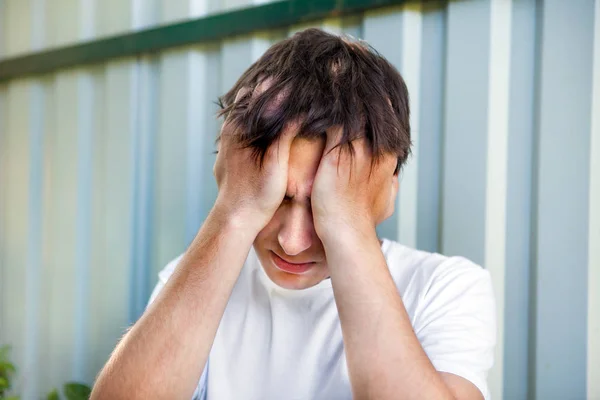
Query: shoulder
x,y
420,270
432,282
451,305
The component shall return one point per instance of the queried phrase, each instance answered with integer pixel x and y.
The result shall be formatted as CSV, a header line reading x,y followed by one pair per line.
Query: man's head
x,y
319,81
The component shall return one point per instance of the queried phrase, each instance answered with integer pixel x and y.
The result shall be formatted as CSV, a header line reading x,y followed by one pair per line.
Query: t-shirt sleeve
x,y
163,277
456,321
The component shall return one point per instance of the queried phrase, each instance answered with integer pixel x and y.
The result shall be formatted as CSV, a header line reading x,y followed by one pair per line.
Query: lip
x,y
289,267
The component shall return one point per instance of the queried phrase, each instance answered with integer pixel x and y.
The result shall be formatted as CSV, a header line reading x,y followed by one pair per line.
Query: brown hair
x,y
321,80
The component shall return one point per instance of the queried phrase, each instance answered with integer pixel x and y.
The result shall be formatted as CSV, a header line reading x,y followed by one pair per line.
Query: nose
x,y
297,231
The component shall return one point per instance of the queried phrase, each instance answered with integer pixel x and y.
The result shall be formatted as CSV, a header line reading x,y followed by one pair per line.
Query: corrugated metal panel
x,y
106,172
593,307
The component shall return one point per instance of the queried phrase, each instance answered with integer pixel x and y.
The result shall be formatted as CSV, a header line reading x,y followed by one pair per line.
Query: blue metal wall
x,y
106,172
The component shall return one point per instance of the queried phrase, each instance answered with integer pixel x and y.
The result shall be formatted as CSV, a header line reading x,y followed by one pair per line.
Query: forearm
x,y
385,359
163,354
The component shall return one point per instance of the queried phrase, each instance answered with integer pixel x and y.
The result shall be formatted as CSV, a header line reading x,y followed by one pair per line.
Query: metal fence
x,y
106,138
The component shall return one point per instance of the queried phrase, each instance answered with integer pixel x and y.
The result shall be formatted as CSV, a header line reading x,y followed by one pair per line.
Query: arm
x,y
163,354
385,359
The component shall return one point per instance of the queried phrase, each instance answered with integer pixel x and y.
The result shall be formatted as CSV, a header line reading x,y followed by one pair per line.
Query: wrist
x,y
225,235
350,245
346,231
237,219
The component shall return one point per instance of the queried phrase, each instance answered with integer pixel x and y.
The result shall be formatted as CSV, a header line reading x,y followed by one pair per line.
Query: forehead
x,y
305,155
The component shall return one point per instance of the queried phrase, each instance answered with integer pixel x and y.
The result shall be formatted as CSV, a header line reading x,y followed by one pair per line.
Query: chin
x,y
291,281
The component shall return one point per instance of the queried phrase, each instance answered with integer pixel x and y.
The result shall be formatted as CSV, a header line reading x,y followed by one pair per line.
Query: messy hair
x,y
321,80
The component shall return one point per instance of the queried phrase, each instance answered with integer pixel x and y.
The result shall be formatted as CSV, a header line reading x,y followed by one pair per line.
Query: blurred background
x,y
107,130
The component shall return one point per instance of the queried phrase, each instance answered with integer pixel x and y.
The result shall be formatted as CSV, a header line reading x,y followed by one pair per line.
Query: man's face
x,y
288,248
290,237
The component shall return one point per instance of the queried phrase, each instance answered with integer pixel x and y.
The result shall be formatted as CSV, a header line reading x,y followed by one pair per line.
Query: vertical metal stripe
x,y
532,349
519,200
34,251
85,132
38,26
3,168
410,68
85,97
496,178
149,133
465,121
3,184
16,240
34,247
563,195
138,114
47,224
593,314
3,24
87,20
430,125
135,155
144,102
195,65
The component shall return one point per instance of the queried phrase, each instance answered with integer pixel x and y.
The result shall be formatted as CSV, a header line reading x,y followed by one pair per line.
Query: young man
x,y
287,292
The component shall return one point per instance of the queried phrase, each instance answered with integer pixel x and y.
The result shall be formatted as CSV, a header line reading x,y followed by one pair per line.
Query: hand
x,y
248,192
348,195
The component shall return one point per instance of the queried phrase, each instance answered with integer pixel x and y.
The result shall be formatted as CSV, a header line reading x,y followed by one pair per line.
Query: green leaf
x,y
4,384
76,391
12,398
7,367
53,395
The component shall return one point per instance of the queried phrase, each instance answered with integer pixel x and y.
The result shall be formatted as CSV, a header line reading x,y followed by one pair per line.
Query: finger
x,y
227,128
265,84
362,150
355,155
357,148
241,93
228,138
230,129
284,142
334,137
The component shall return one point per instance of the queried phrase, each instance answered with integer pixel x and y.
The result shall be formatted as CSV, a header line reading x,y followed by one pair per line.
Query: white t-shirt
x,y
276,343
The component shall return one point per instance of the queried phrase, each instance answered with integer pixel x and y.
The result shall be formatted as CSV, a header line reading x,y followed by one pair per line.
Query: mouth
x,y
291,268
